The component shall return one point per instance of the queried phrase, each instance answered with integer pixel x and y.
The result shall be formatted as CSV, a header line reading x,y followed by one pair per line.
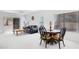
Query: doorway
x,y
8,24
16,23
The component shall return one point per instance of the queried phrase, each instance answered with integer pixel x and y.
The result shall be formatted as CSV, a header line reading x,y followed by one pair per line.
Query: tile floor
x,y
31,41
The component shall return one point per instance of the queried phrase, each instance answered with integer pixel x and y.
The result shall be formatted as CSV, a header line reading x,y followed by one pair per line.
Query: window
x,y
41,20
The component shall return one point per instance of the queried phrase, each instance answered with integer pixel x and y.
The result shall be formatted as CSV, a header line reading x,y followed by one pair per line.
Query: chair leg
x,y
40,41
46,45
59,45
63,43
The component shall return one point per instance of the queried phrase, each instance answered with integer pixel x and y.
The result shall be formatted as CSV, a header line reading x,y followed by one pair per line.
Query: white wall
x,y
1,25
49,15
23,20
47,18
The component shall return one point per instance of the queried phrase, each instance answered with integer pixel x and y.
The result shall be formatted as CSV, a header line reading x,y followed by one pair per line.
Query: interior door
x,y
16,23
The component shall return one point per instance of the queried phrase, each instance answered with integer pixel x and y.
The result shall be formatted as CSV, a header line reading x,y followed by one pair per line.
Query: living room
x,y
21,38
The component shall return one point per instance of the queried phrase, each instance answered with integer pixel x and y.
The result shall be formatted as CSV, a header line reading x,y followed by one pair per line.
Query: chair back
x,y
42,29
62,32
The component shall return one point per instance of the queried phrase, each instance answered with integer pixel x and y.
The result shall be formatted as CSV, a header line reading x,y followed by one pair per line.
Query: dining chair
x,y
42,34
41,29
46,37
60,37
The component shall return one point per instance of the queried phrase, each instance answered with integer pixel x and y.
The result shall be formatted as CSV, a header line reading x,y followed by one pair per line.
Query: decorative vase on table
x,y
50,24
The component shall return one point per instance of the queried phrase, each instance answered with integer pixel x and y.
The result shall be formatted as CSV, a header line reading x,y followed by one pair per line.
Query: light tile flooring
x,y
31,41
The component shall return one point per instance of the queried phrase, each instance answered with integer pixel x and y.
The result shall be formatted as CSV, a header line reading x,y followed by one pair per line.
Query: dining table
x,y
54,32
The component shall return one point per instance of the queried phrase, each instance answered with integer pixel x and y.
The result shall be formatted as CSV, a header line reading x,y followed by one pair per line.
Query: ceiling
x,y
19,11
25,12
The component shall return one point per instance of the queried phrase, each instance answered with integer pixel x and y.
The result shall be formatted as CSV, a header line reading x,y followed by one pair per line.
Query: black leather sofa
x,y
31,29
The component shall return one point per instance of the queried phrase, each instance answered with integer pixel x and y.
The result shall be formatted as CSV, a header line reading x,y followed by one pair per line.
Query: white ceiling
x,y
25,12
57,11
19,11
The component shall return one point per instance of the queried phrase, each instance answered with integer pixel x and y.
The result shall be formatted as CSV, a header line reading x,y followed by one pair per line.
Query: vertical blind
x,y
68,20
